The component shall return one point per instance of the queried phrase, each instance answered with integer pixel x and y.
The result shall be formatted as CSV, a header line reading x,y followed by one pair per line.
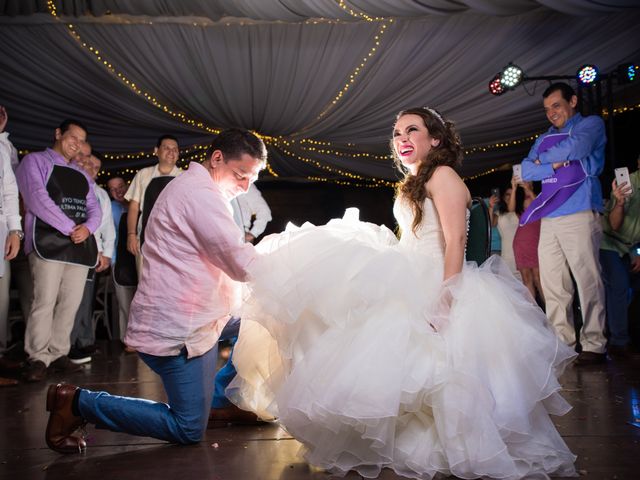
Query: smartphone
x,y
517,172
496,192
622,175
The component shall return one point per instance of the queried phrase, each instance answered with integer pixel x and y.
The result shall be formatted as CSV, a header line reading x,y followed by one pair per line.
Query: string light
x,y
348,183
357,70
184,119
130,83
499,145
356,14
337,153
482,174
338,171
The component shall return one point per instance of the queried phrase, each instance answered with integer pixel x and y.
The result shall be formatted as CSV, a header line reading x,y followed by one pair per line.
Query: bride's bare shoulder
x,y
446,180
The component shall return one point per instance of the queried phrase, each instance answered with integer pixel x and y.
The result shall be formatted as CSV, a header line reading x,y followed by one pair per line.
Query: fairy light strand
x,y
360,15
356,72
126,81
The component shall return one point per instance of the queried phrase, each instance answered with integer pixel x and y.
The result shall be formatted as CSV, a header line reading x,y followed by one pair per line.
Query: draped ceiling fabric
x,y
320,79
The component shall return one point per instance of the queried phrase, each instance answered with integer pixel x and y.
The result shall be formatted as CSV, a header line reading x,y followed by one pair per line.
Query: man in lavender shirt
x,y
193,244
61,214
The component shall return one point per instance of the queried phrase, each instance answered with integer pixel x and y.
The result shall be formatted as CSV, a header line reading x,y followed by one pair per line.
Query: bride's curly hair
x,y
448,152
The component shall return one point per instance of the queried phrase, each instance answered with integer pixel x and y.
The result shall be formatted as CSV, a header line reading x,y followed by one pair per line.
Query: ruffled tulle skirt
x,y
354,344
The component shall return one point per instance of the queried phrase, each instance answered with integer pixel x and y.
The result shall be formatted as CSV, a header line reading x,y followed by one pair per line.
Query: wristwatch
x,y
19,233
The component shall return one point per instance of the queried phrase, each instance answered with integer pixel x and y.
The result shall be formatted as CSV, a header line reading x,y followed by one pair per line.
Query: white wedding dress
x,y
345,339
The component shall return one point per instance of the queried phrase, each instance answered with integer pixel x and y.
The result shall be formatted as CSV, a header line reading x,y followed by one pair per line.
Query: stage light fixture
x,y
588,74
511,76
495,86
627,72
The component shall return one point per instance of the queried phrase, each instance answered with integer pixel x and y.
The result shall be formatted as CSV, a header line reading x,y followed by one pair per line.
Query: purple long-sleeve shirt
x,y
32,176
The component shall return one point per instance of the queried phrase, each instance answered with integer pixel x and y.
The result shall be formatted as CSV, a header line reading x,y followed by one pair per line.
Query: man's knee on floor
x,y
191,432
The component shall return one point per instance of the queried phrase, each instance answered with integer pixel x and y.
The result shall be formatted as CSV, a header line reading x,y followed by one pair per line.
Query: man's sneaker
x,y
79,356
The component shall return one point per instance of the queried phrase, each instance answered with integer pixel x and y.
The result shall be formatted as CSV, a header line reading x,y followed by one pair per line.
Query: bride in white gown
x,y
377,353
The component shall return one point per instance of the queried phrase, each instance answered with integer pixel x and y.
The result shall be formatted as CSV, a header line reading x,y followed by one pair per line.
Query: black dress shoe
x,y
232,415
63,364
62,422
591,358
36,371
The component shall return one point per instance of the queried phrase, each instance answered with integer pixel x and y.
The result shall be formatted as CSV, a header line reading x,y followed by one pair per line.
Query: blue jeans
x,y
189,383
618,282
228,372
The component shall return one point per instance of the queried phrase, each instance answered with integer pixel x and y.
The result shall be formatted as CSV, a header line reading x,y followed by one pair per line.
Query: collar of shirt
x,y
567,126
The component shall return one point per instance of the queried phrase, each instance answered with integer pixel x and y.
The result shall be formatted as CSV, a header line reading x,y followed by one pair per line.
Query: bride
x,y
377,353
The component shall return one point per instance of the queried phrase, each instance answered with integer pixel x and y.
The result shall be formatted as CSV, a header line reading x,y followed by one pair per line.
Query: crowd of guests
x,y
56,193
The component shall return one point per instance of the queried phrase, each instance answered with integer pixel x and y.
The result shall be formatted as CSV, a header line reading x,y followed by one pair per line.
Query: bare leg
x,y
527,279
538,284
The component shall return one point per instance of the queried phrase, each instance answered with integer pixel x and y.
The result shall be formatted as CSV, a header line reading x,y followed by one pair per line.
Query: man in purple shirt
x,y
193,244
61,214
571,231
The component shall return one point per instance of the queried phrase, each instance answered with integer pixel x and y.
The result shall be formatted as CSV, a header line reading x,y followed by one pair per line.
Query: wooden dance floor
x,y
603,429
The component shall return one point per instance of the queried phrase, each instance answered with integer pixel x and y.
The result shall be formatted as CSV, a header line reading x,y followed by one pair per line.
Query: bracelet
x,y
17,233
131,233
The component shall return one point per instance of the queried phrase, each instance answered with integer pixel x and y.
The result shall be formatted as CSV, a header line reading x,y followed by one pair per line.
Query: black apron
x,y
151,194
124,272
68,188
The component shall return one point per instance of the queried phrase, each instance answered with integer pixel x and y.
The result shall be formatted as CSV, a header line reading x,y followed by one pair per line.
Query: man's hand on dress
x,y
79,233
635,265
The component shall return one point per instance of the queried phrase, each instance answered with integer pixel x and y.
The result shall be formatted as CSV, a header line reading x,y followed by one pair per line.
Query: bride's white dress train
x,y
346,342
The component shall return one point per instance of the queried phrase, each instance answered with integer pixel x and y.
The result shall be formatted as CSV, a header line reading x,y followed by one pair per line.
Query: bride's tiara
x,y
434,113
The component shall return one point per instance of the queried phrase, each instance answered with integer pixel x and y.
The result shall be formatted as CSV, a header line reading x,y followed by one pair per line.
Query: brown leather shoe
x,y
222,417
36,371
7,382
62,422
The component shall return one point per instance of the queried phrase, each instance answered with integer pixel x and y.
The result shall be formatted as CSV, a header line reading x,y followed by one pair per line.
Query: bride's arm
x,y
451,198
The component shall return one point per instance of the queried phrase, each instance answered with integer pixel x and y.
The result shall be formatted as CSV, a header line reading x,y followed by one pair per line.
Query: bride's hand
x,y
438,316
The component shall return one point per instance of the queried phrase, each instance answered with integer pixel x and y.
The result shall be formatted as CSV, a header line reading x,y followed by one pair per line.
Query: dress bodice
x,y
428,237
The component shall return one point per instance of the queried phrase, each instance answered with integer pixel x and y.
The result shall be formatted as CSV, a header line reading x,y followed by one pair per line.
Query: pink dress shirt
x,y
194,257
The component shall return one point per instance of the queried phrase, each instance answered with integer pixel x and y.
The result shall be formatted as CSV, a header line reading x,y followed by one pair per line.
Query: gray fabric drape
x,y
280,78
296,10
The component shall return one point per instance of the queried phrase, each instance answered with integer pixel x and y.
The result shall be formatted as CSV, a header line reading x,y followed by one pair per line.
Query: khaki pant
x,y
569,246
125,297
5,281
57,292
